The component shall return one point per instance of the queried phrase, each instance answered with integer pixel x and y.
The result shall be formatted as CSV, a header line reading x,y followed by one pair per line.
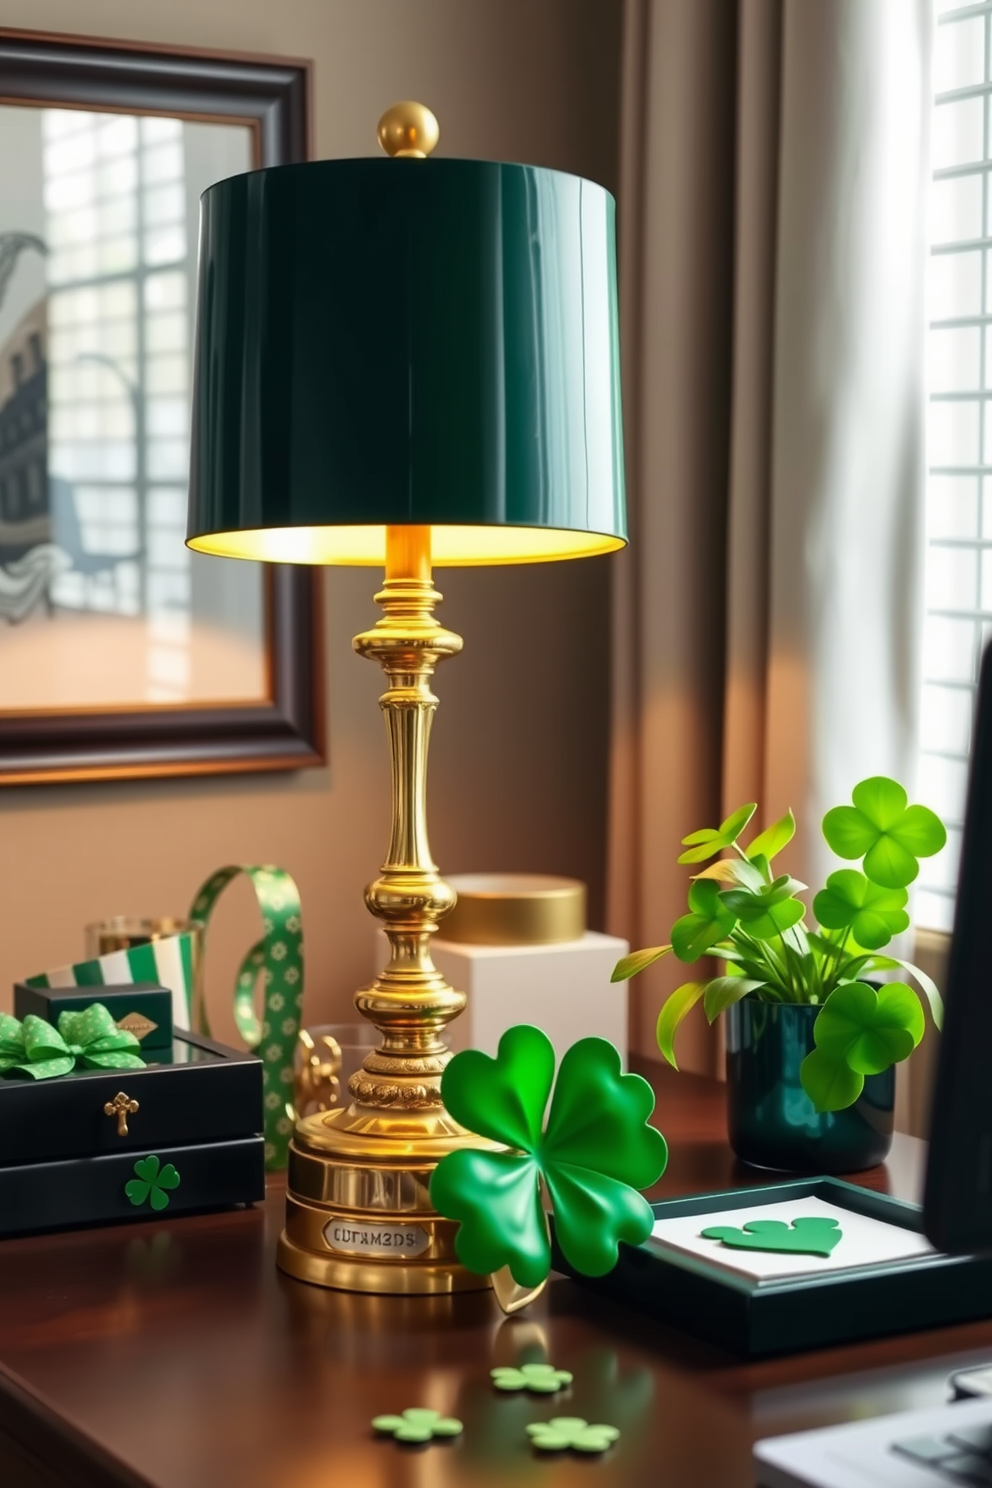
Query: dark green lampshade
x,y
382,342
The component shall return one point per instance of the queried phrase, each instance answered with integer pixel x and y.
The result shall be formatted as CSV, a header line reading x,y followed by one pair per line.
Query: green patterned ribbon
x,y
278,959
91,1037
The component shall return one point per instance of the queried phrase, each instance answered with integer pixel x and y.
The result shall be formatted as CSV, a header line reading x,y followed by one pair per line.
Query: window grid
x,y
959,430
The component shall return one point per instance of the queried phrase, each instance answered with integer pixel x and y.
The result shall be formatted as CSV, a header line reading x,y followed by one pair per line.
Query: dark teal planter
x,y
771,1121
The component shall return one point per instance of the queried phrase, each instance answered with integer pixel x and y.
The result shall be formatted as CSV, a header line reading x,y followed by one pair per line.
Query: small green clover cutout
x,y
151,1183
543,1379
563,1432
417,1424
884,830
594,1154
815,1235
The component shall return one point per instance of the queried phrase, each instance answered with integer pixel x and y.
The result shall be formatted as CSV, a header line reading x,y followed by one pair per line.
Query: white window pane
x,y
954,360
117,301
166,332
952,579
118,215
58,122
70,154
117,177
164,205
167,506
166,374
958,133
959,55
956,209
168,590
933,911
954,285
168,459
165,245
164,163
941,872
986,568
69,193
118,135
118,255
165,291
943,784
154,131
952,506
108,504
950,649
167,417
946,719
952,433
167,550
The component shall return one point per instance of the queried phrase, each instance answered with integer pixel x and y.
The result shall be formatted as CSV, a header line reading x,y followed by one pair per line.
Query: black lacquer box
x,y
96,1146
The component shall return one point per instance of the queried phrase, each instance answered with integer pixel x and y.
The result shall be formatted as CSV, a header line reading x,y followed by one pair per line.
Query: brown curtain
x,y
767,613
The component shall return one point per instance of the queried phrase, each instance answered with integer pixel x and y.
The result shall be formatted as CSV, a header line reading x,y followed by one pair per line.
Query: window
x,y
959,429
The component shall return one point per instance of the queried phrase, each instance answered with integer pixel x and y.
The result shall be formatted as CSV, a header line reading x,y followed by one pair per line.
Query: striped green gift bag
x,y
275,960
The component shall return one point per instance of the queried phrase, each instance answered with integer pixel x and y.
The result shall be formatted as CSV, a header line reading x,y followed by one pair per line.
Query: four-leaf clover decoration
x,y
571,1431
152,1183
417,1424
543,1379
596,1151
859,1032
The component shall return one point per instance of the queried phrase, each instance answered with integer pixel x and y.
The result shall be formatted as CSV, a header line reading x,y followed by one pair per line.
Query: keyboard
x,y
962,1456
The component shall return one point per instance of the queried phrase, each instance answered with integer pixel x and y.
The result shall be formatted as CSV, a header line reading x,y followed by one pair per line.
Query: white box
x,y
564,989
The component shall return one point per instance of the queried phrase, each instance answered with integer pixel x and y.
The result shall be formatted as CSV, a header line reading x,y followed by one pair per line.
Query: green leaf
x,y
885,831
503,1098
733,871
673,1010
829,1082
773,838
629,966
870,1030
496,1197
850,901
707,842
930,988
723,992
769,911
709,922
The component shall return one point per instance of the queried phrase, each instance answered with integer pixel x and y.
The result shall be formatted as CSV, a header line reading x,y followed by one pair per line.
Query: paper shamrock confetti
x,y
594,1154
544,1379
417,1424
152,1183
812,1236
571,1431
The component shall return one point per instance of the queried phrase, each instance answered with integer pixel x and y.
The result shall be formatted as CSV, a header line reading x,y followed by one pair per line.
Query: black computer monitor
x,y
957,1207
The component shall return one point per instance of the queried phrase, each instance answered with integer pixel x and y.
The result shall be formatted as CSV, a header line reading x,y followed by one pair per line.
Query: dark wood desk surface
x,y
174,1354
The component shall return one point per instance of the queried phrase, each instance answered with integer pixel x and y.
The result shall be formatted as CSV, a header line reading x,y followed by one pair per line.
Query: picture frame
x,y
789,1314
282,727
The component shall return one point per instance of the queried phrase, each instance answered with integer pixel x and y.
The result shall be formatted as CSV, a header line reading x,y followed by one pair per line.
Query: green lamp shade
x,y
384,342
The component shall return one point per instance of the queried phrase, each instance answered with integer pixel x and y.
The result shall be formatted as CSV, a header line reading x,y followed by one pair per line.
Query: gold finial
x,y
408,129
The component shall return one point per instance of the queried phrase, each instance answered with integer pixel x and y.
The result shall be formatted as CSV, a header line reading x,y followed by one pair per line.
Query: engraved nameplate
x,y
380,1240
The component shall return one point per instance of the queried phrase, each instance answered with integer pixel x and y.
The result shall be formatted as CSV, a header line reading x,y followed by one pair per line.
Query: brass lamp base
x,y
359,1214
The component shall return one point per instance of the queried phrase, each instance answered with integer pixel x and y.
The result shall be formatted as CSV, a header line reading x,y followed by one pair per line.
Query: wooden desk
x,y
174,1354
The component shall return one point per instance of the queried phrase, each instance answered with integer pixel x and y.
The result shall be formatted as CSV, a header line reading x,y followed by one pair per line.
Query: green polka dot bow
x,y
90,1038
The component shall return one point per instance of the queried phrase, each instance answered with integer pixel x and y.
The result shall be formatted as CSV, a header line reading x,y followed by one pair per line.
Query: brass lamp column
x,y
409,362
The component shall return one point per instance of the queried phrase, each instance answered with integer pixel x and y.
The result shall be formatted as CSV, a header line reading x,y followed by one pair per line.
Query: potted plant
x,y
811,1044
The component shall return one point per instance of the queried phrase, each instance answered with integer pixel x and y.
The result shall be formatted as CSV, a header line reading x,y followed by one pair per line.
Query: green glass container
x,y
771,1121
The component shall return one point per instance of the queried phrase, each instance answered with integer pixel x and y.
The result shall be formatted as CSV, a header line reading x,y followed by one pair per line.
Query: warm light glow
x,y
451,547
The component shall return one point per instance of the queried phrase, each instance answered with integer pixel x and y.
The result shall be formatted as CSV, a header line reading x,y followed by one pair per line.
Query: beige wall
x,y
519,764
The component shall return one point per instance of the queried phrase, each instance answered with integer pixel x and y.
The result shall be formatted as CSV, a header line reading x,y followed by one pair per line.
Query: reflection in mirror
x,y
101,604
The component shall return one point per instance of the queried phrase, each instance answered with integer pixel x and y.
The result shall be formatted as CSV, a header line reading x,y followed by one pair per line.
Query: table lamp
x,y
402,363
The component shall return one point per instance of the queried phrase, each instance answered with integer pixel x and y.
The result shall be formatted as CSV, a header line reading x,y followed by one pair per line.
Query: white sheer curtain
x,y
769,611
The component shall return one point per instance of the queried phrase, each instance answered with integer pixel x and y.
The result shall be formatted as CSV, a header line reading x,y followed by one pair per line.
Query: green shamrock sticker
x,y
884,830
563,1432
417,1425
595,1153
152,1183
859,1032
543,1379
812,1236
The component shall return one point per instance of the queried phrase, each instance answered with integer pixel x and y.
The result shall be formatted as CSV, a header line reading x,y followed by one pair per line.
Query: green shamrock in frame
x,y
152,1183
814,1235
884,830
417,1424
542,1379
594,1154
563,1432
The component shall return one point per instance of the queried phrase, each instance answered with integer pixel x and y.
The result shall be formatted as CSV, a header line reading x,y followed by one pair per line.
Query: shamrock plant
x,y
590,1159
745,914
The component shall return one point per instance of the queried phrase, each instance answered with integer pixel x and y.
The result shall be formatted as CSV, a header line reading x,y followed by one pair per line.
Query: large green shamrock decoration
x,y
859,1032
815,1235
889,834
873,914
90,1037
563,1432
417,1424
152,1183
595,1153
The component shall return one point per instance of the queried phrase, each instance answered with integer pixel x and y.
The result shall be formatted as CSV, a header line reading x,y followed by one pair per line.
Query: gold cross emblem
x,y
121,1106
